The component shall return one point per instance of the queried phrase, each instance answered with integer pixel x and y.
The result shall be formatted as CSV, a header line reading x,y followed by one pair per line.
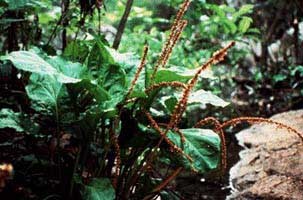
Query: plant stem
x,y
64,10
74,171
58,139
122,24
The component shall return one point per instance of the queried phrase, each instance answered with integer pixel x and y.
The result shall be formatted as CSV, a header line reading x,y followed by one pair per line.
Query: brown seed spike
x,y
180,15
137,74
175,33
181,106
180,27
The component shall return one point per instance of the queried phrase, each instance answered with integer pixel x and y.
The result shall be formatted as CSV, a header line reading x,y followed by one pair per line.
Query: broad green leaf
x,y
87,93
206,97
128,61
95,90
10,119
117,74
45,90
31,62
99,189
77,51
67,69
66,79
245,24
114,82
172,74
200,97
129,64
99,56
178,74
113,75
202,145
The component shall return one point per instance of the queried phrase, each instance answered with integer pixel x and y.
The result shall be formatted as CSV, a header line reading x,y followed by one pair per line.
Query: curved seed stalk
x,y
173,147
181,106
255,120
220,132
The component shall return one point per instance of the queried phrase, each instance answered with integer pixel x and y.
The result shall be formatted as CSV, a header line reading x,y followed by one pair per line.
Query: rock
x,y
271,164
